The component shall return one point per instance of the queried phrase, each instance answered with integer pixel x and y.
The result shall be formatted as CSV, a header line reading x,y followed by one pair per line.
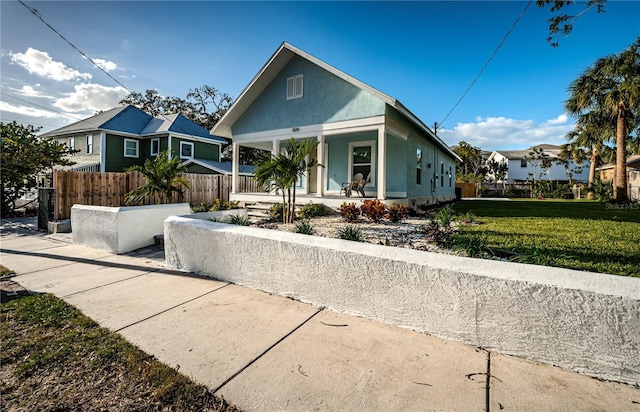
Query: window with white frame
x,y
186,150
72,143
295,86
155,147
89,144
362,159
131,148
418,167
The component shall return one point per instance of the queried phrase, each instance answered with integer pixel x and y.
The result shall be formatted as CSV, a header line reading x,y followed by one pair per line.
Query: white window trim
x,y
296,93
137,148
192,150
371,143
89,145
72,143
158,151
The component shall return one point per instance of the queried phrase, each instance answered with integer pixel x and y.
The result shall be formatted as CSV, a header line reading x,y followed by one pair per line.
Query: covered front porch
x,y
376,148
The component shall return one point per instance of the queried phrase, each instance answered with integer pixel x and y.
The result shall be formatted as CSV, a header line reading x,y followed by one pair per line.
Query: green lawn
x,y
584,235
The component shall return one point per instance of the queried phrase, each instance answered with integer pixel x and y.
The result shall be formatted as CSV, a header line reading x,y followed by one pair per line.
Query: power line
x,y
513,26
37,14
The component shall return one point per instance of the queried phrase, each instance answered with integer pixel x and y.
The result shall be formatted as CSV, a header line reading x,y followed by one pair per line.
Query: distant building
x,y
519,169
608,172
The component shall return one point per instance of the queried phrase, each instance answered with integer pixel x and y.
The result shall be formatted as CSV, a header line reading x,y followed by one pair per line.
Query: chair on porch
x,y
348,187
359,188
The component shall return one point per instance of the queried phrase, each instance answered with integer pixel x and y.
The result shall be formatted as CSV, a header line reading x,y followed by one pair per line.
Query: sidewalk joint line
x,y
229,379
108,284
171,308
488,380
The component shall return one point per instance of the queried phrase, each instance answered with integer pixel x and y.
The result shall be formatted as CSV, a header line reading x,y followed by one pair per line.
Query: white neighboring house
x,y
520,170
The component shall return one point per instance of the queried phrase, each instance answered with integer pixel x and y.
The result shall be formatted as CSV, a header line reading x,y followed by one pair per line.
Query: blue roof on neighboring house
x,y
129,119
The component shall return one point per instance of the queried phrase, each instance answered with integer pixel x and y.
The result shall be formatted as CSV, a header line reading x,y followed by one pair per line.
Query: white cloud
x,y
493,133
91,97
106,65
28,111
29,91
41,63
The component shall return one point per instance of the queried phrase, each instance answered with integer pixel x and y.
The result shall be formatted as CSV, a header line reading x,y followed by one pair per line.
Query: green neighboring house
x,y
360,130
124,136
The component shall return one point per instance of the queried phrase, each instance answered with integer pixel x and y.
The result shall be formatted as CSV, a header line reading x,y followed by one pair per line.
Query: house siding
x,y
338,167
114,153
326,98
200,150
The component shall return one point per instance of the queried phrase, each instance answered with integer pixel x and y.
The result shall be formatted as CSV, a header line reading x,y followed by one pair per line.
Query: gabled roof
x,y
276,63
220,167
551,150
131,120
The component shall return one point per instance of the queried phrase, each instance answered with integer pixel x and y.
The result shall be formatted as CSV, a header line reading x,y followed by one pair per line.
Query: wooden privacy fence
x,y
468,189
110,188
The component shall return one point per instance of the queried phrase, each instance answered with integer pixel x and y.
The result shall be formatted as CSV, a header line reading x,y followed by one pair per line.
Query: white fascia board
x,y
326,129
183,136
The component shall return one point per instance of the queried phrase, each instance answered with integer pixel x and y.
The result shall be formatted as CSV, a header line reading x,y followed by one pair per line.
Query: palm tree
x,y
282,170
589,139
165,176
611,86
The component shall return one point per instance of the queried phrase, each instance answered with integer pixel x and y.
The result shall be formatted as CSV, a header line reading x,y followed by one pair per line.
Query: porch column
x,y
320,171
235,165
382,163
103,151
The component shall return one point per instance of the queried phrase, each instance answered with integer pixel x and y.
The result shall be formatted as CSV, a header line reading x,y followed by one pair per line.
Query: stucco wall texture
x,y
121,229
582,321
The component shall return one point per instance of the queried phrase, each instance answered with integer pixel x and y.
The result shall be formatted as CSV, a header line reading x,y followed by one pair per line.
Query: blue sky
x,y
424,54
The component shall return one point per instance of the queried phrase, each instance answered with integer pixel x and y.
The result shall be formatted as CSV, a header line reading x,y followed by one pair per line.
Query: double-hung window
x,y
186,150
72,143
418,166
155,147
295,86
131,147
89,144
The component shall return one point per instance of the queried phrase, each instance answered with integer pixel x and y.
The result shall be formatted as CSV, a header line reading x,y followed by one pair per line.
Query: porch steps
x,y
260,210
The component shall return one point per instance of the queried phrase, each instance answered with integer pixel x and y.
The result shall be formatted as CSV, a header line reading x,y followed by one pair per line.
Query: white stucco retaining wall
x,y
121,229
582,321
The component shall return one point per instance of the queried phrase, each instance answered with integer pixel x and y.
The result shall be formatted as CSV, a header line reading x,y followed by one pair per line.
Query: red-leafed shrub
x,y
349,211
374,210
398,212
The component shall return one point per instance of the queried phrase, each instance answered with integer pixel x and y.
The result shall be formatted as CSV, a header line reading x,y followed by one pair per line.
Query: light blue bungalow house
x,y
359,130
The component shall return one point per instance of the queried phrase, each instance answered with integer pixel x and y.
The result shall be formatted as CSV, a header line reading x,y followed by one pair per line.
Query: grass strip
x,y
55,358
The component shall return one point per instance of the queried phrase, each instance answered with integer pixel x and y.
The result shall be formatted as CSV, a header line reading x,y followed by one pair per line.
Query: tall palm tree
x,y
590,138
165,176
282,170
612,85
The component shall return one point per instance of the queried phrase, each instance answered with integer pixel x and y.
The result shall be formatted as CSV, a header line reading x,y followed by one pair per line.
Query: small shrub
x,y
351,232
374,210
602,191
468,217
222,205
303,227
349,211
473,246
202,207
275,212
313,210
239,220
433,232
444,215
398,212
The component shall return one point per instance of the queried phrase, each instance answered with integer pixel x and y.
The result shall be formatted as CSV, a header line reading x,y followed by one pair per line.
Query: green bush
x,y
303,227
222,205
239,220
444,216
398,212
351,232
313,210
202,207
374,210
349,211
275,212
474,245
602,191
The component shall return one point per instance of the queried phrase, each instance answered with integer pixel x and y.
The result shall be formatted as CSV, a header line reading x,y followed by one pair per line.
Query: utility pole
x,y
435,127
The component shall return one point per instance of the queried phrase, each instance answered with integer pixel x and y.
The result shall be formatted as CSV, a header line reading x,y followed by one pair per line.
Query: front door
x,y
312,181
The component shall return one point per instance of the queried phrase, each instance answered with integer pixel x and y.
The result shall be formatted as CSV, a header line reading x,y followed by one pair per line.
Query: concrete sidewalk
x,y
265,352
